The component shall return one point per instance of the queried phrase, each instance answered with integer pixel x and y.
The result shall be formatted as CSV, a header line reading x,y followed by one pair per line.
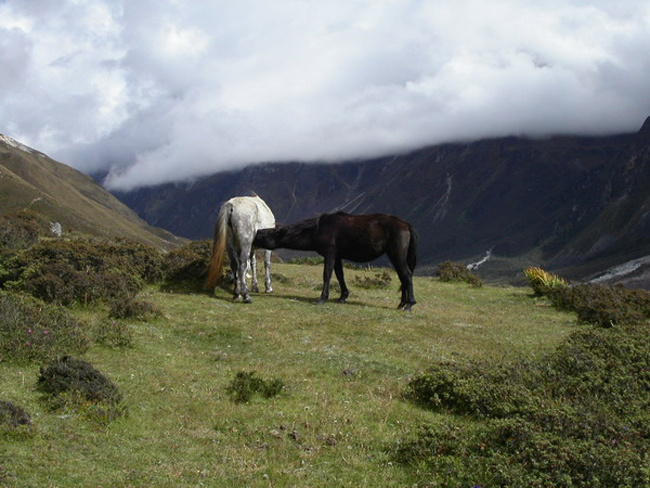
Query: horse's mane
x,y
309,225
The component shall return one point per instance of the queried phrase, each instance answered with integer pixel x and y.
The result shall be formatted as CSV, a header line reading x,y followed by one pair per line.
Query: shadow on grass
x,y
313,300
196,288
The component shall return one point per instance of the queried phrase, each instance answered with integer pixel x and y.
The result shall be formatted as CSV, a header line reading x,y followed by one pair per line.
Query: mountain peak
x,y
14,143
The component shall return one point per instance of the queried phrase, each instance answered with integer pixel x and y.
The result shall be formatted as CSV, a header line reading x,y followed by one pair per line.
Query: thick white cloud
x,y
173,89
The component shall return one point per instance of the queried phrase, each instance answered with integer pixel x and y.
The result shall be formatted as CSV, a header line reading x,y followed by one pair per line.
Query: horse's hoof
x,y
406,307
269,290
320,301
248,300
343,299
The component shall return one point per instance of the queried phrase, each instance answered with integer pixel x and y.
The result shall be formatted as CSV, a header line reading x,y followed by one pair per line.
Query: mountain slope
x,y
524,200
30,179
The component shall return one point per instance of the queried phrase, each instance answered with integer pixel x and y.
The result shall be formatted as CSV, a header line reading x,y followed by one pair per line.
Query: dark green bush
x,y
578,417
518,452
12,415
60,283
602,305
83,270
70,374
379,281
461,389
457,273
20,230
72,383
190,262
245,385
32,331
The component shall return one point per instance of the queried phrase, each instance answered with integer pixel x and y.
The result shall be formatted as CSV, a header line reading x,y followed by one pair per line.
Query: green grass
x,y
345,367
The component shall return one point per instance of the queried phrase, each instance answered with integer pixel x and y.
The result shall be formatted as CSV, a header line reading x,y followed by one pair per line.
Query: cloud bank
x,y
153,92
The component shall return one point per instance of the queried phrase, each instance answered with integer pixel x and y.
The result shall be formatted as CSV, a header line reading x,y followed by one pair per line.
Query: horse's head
x,y
269,238
298,236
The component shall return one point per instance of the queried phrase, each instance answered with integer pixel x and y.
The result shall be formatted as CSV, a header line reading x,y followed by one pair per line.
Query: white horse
x,y
238,221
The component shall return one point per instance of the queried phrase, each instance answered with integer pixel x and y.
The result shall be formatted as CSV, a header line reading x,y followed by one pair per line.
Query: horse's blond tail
x,y
218,248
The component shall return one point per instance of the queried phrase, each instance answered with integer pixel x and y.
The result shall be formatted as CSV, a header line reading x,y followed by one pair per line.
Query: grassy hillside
x,y
344,367
31,180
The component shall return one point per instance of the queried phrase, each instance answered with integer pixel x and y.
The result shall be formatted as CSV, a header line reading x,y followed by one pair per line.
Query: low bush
x,y
82,270
378,281
245,385
12,415
72,383
457,273
603,305
20,230
190,262
60,283
33,331
596,304
577,417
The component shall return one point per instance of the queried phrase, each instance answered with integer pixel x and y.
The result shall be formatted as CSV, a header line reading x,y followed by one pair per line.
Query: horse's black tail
x,y
412,254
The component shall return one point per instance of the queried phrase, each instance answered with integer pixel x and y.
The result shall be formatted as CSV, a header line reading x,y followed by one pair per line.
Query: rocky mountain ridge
x,y
579,205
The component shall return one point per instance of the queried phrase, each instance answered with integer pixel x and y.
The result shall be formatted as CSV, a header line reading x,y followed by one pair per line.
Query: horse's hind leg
x,y
255,286
267,271
406,279
338,269
241,272
327,276
232,257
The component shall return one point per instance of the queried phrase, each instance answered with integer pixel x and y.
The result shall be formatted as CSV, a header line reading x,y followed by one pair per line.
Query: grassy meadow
x,y
344,368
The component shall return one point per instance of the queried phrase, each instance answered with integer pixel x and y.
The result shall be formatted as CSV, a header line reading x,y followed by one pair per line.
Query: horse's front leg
x,y
327,276
267,271
338,269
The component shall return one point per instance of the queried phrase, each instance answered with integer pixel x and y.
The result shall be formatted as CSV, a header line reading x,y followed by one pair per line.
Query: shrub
x,y
542,282
457,273
60,283
188,263
12,415
379,281
246,384
70,382
83,270
462,389
577,417
32,331
517,452
20,230
602,305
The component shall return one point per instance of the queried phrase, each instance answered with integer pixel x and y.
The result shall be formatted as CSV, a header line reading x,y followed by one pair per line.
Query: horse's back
x,y
252,210
370,225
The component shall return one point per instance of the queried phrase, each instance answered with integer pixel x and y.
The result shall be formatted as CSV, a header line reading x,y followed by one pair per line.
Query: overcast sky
x,y
165,90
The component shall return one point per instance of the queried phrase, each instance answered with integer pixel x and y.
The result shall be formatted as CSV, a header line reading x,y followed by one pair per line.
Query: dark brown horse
x,y
359,238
